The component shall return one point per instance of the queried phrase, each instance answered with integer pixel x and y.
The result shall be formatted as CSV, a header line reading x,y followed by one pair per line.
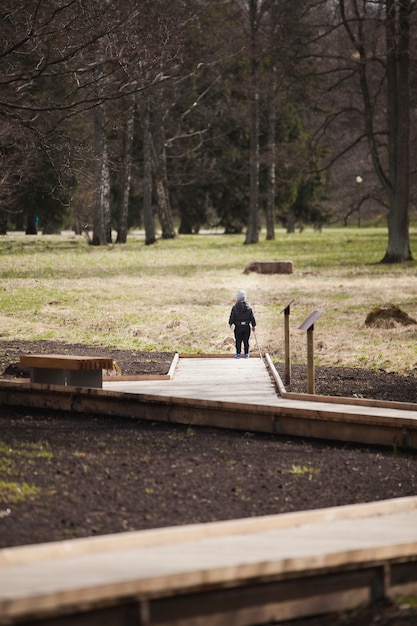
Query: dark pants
x,y
242,334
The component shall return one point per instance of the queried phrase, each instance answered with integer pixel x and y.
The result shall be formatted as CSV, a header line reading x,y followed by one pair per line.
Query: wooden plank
x,y
241,381
148,377
407,406
65,361
133,378
337,553
196,532
377,426
227,355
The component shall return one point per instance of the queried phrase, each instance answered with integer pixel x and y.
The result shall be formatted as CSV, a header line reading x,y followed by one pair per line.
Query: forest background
x,y
234,114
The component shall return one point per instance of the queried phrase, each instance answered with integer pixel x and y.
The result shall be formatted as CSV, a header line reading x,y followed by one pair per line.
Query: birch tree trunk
x,y
101,209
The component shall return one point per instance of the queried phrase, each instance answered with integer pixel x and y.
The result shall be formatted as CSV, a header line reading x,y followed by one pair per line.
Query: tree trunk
x,y
398,64
127,172
396,182
160,177
148,217
3,223
270,199
291,220
101,211
31,226
252,230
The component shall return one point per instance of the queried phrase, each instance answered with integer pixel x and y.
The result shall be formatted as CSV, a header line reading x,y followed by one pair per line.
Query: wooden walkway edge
x,y
239,572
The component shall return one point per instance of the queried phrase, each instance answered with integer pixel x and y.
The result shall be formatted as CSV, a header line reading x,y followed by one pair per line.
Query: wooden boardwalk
x,y
246,381
241,381
240,572
237,383
222,392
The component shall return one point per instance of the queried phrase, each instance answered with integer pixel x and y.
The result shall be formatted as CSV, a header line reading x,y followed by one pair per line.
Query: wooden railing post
x,y
287,346
308,325
310,360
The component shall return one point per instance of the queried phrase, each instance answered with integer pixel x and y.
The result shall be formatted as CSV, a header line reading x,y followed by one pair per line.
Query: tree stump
x,y
270,267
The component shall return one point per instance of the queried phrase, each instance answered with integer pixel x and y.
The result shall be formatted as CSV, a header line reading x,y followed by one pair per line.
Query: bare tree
x,y
254,17
126,169
276,31
101,213
148,218
371,80
271,160
61,60
398,27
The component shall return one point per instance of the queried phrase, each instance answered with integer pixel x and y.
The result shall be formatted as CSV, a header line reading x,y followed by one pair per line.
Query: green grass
x,y
407,601
302,470
176,295
26,450
16,464
11,492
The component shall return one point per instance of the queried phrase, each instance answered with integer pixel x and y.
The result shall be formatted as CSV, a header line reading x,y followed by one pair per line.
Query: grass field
x,y
176,295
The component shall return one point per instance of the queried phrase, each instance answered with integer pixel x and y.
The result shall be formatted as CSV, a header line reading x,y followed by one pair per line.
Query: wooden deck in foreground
x,y
236,573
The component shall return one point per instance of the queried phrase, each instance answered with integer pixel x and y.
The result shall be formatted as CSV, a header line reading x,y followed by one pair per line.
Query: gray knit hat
x,y
241,295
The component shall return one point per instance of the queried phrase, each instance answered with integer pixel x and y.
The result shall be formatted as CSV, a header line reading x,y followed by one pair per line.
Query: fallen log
x,y
269,267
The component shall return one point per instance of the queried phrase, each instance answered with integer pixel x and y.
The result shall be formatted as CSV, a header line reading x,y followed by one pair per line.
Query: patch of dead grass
x,y
160,307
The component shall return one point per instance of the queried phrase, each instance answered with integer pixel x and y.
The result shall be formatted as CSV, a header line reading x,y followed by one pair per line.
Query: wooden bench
x,y
64,369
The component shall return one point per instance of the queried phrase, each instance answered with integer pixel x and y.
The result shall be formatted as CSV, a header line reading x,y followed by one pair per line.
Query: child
x,y
242,317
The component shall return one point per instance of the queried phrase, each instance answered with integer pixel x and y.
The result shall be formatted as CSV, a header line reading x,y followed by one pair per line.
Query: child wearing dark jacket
x,y
242,318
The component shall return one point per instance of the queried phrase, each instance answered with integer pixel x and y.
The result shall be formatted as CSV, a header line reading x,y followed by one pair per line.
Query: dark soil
x,y
82,475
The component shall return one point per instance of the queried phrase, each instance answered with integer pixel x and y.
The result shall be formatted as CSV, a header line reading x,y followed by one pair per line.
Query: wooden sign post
x,y
308,325
287,346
